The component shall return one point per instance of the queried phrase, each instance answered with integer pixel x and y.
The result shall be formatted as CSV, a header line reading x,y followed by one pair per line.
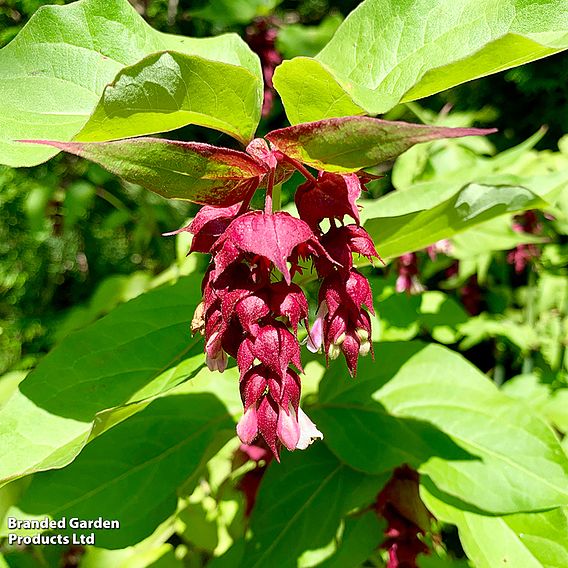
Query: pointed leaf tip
x,y
351,143
192,171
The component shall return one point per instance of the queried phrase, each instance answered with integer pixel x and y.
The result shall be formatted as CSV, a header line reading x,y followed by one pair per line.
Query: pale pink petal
x,y
288,429
315,335
247,428
308,431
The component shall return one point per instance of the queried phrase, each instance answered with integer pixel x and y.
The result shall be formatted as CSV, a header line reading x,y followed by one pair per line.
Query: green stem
x,y
269,189
276,197
528,362
416,109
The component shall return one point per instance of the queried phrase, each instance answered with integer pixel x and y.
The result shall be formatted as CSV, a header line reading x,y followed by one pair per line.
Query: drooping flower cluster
x,y
408,274
261,36
523,254
342,324
407,518
408,271
252,311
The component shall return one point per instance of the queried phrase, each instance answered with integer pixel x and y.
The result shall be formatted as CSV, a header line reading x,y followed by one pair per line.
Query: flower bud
x,y
334,351
340,339
247,428
364,348
362,334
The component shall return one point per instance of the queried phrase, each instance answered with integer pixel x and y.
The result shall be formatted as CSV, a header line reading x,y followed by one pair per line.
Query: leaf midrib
x,y
141,466
492,453
298,512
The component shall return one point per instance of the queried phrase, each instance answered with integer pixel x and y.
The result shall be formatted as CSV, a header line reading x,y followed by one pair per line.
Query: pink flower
x,y
308,431
315,334
407,518
331,196
523,254
443,246
251,309
407,280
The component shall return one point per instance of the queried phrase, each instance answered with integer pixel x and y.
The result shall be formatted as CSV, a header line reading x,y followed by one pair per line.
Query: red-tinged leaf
x,y
332,196
177,170
351,143
207,226
272,235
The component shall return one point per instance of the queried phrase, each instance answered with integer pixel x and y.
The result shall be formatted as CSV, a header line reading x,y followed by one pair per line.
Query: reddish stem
x,y
300,167
269,188
248,197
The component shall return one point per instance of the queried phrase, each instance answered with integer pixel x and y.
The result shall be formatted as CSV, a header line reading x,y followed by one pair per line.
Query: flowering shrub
x,y
125,420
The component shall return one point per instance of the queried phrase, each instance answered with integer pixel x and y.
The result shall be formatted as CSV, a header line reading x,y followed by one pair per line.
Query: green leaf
x,y
226,13
428,407
396,233
300,505
530,540
168,90
176,170
296,39
352,143
132,472
118,360
493,235
485,326
361,537
441,315
54,72
388,51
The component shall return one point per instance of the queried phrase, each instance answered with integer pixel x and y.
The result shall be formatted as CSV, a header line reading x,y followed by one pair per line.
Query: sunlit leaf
x,y
388,51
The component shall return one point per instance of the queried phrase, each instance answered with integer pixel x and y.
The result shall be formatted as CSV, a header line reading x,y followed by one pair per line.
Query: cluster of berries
x,y
252,310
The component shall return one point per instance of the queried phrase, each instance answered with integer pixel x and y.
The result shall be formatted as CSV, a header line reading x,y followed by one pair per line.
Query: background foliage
x,y
77,243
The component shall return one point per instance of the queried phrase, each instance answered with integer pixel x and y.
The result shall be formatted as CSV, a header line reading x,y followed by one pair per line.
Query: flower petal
x,y
247,428
308,431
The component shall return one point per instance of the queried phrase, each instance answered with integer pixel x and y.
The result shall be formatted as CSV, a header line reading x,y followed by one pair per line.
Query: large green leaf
x,y
300,505
360,538
167,90
353,143
530,540
420,210
132,472
428,407
389,51
396,234
181,170
117,360
54,72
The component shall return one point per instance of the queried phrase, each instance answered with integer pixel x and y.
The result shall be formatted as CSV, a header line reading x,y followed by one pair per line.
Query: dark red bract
x,y
252,311
407,518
